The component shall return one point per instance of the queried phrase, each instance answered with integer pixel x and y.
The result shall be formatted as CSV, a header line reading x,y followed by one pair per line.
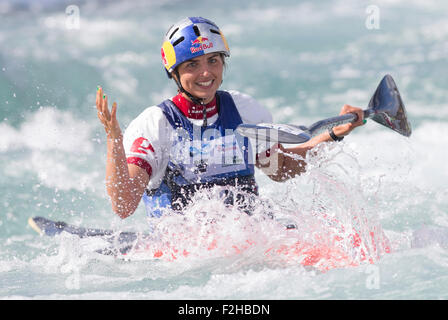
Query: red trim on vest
x,y
192,110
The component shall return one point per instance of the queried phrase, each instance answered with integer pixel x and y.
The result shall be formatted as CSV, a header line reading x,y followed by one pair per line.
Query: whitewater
x,y
302,60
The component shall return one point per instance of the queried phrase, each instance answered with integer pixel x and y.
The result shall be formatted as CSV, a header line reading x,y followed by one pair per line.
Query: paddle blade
x,y
387,108
282,133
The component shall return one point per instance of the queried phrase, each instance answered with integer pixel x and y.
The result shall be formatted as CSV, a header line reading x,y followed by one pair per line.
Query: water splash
x,y
335,224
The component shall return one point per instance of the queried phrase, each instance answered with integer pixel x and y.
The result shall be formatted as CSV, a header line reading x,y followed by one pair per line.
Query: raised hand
x,y
107,118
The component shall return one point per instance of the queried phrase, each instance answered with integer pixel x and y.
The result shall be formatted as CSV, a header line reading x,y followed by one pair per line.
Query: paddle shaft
x,y
326,124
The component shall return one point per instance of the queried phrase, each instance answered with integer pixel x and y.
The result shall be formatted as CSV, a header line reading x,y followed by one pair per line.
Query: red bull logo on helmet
x,y
200,43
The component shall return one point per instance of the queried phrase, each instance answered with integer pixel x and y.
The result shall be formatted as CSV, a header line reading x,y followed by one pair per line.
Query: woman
x,y
189,142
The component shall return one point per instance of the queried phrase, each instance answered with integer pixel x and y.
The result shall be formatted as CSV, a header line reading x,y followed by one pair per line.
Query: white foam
x,y
121,79
354,97
429,155
420,159
124,58
53,145
265,284
303,13
92,32
429,5
347,72
46,130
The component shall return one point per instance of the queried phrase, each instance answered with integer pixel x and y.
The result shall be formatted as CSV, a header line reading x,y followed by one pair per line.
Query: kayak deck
x,y
322,255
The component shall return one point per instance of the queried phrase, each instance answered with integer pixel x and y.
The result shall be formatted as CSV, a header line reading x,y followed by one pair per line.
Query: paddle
x,y
385,107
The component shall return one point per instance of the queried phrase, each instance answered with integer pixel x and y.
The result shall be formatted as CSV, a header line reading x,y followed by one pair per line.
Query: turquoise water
x,y
303,60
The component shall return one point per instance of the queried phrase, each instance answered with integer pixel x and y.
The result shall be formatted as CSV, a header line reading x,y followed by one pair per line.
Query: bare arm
x,y
125,183
283,164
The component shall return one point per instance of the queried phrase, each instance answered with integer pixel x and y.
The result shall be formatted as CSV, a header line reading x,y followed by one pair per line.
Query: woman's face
x,y
202,76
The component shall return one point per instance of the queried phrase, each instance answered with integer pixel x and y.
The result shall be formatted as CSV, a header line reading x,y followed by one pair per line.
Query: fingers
x,y
102,105
99,103
106,108
98,100
107,118
114,110
345,129
355,110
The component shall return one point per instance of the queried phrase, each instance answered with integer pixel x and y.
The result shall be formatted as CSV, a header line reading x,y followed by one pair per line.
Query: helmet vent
x,y
175,43
214,31
196,31
172,34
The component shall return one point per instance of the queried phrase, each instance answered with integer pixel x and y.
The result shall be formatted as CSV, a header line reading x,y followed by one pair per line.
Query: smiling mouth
x,y
205,84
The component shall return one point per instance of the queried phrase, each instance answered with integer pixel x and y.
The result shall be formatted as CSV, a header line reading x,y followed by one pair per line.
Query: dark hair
x,y
223,57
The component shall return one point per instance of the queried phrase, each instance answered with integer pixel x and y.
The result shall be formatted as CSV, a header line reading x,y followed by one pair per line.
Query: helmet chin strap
x,y
196,100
